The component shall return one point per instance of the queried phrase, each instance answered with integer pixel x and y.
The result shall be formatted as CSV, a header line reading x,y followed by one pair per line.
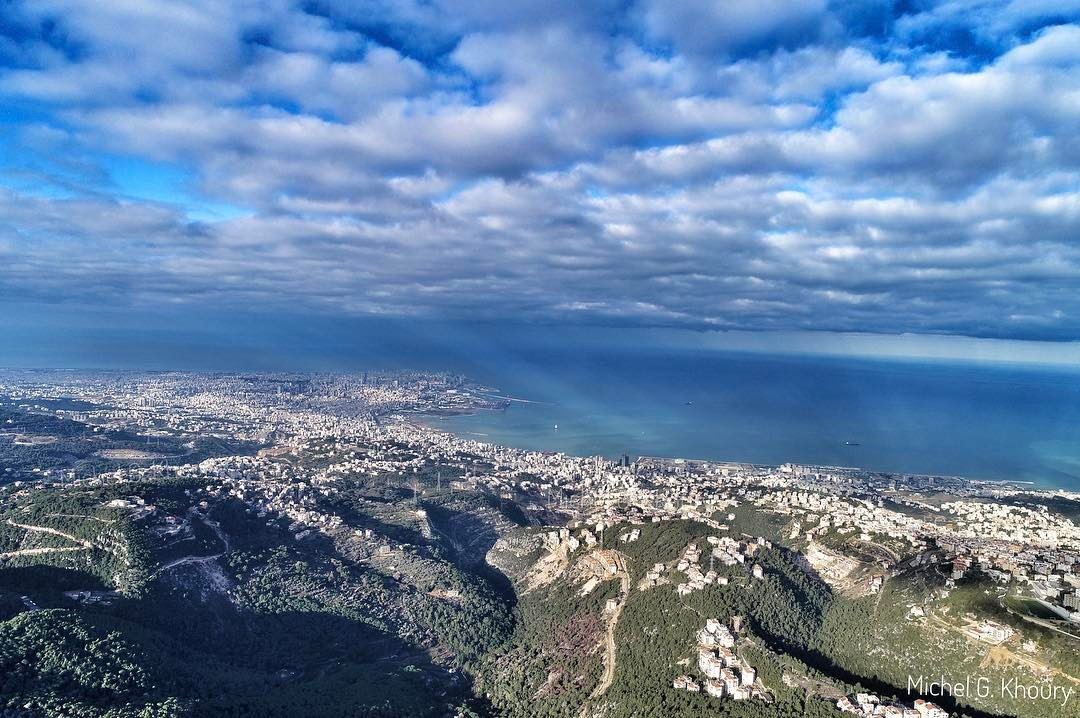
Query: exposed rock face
x,y
842,573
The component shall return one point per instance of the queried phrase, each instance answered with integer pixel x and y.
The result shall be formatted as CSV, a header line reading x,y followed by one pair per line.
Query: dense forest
x,y
291,628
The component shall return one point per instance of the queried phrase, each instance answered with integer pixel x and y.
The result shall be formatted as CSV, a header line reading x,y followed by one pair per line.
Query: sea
x,y
988,421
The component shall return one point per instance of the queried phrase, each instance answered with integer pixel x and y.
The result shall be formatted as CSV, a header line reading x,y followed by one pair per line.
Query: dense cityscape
x,y
290,446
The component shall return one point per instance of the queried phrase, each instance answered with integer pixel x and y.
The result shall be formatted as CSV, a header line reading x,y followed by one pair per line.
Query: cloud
x,y
780,166
708,28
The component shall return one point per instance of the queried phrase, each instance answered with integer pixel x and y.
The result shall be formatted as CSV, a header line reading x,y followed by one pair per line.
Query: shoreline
x,y
1019,485
515,399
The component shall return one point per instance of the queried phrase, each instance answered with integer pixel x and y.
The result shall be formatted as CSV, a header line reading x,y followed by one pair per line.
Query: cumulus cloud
x,y
726,165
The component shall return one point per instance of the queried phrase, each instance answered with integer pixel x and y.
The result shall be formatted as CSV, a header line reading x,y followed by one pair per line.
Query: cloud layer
x,y
723,164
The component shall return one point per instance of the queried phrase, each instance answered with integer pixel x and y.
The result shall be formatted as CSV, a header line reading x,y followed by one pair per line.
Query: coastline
x,y
1015,485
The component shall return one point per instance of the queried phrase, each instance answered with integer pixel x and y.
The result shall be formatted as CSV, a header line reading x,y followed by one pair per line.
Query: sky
x,y
859,177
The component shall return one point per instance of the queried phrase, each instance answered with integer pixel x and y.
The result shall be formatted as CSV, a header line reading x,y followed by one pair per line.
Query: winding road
x,y
82,544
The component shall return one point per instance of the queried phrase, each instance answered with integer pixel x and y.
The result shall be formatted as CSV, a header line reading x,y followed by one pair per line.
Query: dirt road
x,y
609,640
82,545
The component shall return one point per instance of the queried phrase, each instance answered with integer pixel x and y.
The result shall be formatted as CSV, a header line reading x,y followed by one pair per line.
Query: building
x,y
926,709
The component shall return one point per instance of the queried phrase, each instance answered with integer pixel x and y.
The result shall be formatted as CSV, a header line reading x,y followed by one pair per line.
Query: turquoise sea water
x,y
976,420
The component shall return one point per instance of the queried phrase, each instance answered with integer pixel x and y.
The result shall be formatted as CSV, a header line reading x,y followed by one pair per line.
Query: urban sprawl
x,y
379,424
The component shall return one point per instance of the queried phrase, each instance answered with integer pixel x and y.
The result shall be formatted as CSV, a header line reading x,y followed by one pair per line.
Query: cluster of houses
x,y
725,675
868,704
723,549
695,578
845,515
990,632
1026,544
1051,575
1034,526
654,577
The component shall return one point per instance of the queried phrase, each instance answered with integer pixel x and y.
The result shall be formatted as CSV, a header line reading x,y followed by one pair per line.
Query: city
x,y
291,451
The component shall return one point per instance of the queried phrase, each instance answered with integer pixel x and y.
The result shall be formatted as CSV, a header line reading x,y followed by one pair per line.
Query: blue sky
x,y
737,171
